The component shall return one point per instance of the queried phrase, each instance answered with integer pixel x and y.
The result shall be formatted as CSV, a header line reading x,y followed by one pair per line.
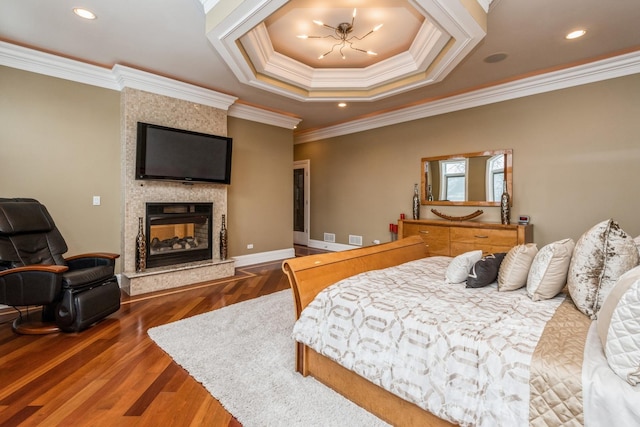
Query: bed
x,y
551,358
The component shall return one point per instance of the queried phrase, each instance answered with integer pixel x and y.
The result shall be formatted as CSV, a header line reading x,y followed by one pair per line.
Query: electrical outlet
x,y
96,200
330,237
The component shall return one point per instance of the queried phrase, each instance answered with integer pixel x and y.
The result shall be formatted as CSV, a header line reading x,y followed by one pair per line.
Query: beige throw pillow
x,y
601,256
515,267
548,272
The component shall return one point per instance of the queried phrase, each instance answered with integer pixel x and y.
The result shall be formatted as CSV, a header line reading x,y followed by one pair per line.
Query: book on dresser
x,y
451,238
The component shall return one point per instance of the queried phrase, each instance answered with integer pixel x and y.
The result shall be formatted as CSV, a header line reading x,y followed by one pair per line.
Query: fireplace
x,y
178,233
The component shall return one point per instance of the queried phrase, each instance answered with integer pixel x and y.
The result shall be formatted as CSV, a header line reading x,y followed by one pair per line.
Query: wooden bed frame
x,y
308,276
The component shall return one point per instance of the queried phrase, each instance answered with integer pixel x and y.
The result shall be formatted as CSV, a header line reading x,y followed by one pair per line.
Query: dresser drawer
x,y
431,232
436,238
451,238
483,236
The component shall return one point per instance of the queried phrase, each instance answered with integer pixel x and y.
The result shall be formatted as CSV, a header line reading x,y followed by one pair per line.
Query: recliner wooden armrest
x,y
107,255
55,269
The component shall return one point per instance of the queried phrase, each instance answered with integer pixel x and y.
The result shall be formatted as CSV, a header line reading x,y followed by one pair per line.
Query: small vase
x,y
141,248
223,239
505,205
416,202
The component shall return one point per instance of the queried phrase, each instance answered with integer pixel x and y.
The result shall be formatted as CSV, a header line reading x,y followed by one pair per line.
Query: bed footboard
x,y
311,274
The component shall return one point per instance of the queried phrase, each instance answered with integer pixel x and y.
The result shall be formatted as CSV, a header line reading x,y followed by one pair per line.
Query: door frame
x,y
302,237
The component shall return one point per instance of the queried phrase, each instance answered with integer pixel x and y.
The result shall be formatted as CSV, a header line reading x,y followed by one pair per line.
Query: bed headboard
x,y
310,274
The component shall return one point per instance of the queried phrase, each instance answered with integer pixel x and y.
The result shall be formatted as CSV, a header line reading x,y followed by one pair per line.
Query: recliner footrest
x,y
80,308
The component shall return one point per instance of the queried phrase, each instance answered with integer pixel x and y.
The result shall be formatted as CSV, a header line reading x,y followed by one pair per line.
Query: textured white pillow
x,y
459,268
515,267
548,272
600,257
618,327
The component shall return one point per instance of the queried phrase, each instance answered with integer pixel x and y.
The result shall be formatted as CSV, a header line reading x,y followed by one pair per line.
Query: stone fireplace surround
x,y
137,105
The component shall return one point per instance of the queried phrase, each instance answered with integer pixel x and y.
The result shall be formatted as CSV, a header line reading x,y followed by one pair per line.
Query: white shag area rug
x,y
243,354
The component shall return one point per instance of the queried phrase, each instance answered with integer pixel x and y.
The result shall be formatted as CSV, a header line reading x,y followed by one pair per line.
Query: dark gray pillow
x,y
485,271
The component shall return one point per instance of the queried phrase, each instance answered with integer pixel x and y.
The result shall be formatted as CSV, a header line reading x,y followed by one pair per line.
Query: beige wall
x,y
575,157
60,144
260,198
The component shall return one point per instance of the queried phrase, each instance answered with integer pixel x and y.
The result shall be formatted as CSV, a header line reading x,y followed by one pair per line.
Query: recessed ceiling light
x,y
575,34
84,13
342,104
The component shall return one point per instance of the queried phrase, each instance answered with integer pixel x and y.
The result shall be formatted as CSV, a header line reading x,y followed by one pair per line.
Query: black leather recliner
x,y
74,292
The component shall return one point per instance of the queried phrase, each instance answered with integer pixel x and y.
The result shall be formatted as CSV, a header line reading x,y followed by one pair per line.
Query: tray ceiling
x,y
419,44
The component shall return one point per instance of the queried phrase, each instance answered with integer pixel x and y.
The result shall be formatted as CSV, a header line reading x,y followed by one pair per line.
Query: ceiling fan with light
x,y
342,35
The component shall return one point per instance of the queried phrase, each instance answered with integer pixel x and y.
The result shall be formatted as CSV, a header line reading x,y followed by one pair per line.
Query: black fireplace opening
x,y
178,233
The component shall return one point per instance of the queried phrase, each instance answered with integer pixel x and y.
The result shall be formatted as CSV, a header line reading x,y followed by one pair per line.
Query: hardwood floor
x,y
112,374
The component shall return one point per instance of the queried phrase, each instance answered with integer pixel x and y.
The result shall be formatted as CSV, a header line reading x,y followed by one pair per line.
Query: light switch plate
x,y
96,200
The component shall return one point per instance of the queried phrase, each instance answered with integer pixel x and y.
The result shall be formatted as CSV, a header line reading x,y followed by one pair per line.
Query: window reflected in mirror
x,y
467,179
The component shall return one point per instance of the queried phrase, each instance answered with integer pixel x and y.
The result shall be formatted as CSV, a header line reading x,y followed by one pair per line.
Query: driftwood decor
x,y
458,218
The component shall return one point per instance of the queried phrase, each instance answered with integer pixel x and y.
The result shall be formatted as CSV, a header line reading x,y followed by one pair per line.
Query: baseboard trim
x,y
245,260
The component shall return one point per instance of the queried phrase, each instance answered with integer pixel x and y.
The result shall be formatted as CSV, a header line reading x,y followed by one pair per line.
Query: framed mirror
x,y
469,179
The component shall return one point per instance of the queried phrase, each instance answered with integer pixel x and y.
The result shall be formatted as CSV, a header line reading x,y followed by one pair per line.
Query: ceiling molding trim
x,y
606,69
234,23
142,80
207,5
254,114
48,64
115,79
428,44
485,4
232,20
268,62
424,50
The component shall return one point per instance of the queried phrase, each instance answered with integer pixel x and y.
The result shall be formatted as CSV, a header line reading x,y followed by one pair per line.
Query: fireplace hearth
x,y
178,233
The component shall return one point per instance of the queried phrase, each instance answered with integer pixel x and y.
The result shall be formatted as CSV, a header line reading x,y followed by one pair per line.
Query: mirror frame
x,y
508,173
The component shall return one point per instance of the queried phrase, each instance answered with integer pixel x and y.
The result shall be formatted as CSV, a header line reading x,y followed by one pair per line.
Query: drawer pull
x,y
424,231
481,237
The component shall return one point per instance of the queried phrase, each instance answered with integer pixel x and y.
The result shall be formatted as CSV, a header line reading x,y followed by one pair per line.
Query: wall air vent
x,y
355,240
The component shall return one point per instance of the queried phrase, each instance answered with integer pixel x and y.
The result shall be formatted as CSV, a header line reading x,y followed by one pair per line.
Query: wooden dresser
x,y
453,238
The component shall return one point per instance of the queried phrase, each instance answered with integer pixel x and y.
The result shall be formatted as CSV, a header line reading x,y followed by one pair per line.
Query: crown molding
x,y
207,5
142,80
254,114
605,69
34,61
120,77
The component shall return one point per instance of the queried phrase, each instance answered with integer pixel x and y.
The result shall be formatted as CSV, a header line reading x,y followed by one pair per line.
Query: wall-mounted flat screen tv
x,y
164,153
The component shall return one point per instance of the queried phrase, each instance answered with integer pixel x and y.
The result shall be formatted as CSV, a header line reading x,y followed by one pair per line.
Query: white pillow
x,y
515,267
601,256
548,272
618,327
459,268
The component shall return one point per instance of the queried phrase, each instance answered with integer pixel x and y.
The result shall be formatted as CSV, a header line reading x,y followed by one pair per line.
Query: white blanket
x,y
608,400
462,354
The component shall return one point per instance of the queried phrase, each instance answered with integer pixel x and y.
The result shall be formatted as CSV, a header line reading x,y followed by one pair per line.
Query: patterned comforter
x,y
461,354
